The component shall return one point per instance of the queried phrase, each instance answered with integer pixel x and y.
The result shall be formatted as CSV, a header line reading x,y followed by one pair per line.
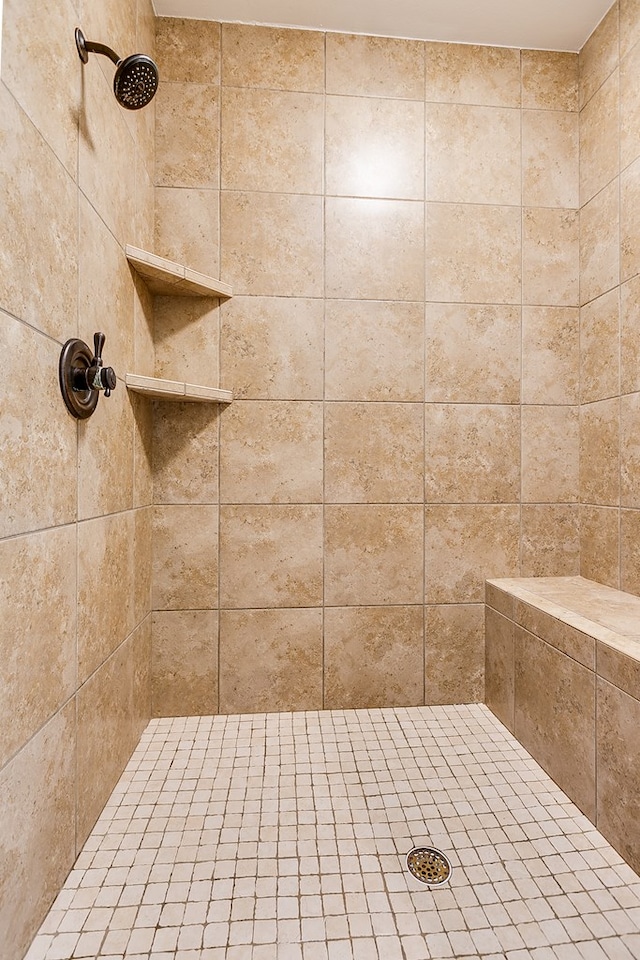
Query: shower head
x,y
136,77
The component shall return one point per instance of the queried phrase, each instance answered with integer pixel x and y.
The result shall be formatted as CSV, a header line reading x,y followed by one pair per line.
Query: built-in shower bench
x,y
562,668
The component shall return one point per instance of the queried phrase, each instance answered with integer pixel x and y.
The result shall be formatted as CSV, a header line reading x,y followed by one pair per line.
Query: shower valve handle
x,y
99,377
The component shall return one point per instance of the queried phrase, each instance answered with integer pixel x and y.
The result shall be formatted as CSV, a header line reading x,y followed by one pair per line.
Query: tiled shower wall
x,y
76,183
399,222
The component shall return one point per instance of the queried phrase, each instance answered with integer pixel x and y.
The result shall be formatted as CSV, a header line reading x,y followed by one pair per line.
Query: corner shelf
x,y
168,279
156,387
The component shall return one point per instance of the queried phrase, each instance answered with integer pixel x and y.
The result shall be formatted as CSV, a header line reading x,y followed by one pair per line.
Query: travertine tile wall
x,y
76,184
399,222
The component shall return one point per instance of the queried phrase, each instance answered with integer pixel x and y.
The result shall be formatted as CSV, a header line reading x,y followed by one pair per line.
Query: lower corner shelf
x,y
159,389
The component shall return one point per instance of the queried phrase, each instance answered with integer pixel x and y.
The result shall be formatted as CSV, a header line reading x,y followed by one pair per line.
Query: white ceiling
x,y
534,24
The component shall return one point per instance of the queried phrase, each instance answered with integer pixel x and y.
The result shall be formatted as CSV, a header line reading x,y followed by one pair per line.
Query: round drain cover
x,y
429,865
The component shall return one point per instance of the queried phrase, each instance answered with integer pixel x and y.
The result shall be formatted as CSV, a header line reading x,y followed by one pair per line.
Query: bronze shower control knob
x,y
83,376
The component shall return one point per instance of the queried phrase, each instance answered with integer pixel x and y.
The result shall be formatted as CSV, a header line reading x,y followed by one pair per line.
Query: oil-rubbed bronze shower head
x,y
136,78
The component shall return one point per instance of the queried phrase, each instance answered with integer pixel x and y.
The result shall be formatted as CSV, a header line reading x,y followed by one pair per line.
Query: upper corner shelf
x,y
169,279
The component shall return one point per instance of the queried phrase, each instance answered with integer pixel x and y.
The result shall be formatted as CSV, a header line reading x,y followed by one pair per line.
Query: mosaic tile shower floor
x,y
284,837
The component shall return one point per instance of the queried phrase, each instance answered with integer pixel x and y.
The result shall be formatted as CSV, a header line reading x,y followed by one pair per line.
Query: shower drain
x,y
429,865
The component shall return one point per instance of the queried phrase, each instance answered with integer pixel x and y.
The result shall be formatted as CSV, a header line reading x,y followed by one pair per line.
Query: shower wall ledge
x,y
169,279
159,389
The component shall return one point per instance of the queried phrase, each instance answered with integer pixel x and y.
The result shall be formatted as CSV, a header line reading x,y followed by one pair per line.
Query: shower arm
x,y
85,47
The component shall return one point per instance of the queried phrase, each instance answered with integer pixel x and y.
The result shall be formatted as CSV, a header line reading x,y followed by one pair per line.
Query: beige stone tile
x,y
550,540
270,556
465,73
499,681
630,221
629,25
500,599
271,452
374,249
113,23
473,253
630,336
37,806
599,139
549,80
257,56
550,355
600,348
629,451
550,454
472,353
472,453
185,557
272,244
630,553
272,141
473,154
187,135
600,544
38,240
188,51
558,633
187,333
375,148
105,456
143,418
270,660
373,554
547,683
141,652
374,452
629,108
550,257
373,657
142,563
618,664
142,229
599,244
600,453
105,735
37,435
618,810
144,350
184,663
374,351
106,595
361,66
37,644
550,151
599,56
187,227
272,348
185,452
454,653
464,545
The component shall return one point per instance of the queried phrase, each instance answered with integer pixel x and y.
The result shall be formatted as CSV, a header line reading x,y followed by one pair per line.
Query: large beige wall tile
x,y
141,643
184,663
270,57
374,452
629,451
270,556
630,221
618,813
550,454
549,80
599,139
105,456
142,450
464,545
499,681
473,253
374,351
630,552
105,588
38,639
374,249
472,453
373,657
630,336
465,73
629,19
550,150
374,148
550,257
187,51
185,452
599,56
187,227
472,353
115,21
373,554
271,140
270,660
185,557
47,242
360,66
454,653
37,435
629,107
599,244
550,684
600,348
600,544
550,355
600,453
271,452
37,840
143,338
271,244
550,540
187,135
272,348
142,559
186,334
473,154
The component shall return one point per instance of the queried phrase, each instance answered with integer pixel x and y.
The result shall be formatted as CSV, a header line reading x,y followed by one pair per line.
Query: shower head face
x,y
135,81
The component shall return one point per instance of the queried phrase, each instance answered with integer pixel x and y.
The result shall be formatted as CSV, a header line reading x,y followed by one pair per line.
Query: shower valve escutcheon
x,y
83,377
